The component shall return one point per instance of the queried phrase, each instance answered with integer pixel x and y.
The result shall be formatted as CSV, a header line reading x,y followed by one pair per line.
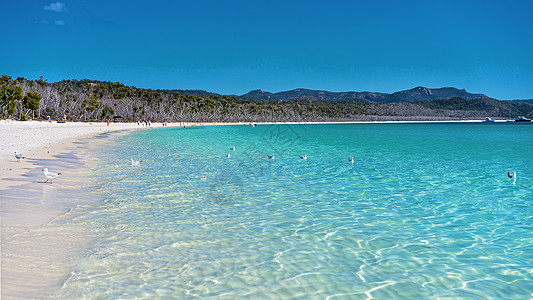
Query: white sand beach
x,y
39,140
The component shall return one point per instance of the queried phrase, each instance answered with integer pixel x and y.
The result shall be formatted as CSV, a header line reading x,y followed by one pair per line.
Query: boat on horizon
x,y
522,119
488,120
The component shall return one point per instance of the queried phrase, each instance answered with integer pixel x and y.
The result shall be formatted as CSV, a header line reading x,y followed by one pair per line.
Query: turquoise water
x,y
426,210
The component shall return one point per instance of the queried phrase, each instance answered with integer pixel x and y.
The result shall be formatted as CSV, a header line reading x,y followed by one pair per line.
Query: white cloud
x,y
60,22
57,7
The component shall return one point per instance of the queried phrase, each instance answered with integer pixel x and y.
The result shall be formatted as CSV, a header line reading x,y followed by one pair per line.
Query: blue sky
x,y
232,47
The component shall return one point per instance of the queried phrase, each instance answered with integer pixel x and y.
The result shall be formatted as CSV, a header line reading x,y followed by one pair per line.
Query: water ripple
x,y
413,217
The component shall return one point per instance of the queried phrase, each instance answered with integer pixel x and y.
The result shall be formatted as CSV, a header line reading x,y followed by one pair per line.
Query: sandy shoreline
x,y
40,140
35,136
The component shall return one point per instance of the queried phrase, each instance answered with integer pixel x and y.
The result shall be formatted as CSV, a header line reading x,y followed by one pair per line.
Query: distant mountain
x,y
313,100
425,94
318,94
415,94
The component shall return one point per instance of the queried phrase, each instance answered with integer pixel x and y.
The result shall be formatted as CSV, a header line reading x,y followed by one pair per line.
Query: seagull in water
x,y
49,175
232,148
303,157
270,156
350,159
135,162
19,156
512,176
228,155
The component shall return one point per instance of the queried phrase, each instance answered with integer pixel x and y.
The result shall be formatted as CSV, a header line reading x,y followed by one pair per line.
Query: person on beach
x,y
107,122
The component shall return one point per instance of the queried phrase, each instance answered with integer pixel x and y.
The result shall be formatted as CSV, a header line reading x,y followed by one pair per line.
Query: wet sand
x,y
36,257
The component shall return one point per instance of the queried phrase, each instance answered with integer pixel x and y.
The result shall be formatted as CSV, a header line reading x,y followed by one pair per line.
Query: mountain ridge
x,y
415,94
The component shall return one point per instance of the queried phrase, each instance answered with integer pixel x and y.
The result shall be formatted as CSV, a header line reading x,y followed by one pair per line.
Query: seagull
x,y
232,148
512,176
270,156
350,159
135,162
49,175
303,157
228,155
19,156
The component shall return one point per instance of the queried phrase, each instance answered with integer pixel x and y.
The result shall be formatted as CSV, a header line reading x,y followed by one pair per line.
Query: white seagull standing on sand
x,y
135,162
19,156
49,175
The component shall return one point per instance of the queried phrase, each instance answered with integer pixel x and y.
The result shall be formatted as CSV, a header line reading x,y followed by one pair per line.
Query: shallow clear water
x,y
426,210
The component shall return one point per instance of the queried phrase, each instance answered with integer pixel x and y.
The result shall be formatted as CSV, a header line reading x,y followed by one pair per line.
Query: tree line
x,y
92,100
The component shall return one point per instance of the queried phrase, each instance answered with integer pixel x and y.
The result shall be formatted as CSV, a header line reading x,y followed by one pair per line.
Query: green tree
x,y
5,80
91,106
9,96
31,101
41,82
106,111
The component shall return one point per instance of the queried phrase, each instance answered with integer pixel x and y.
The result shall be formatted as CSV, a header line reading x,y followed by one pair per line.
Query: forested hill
x,y
415,94
529,101
91,100
201,93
